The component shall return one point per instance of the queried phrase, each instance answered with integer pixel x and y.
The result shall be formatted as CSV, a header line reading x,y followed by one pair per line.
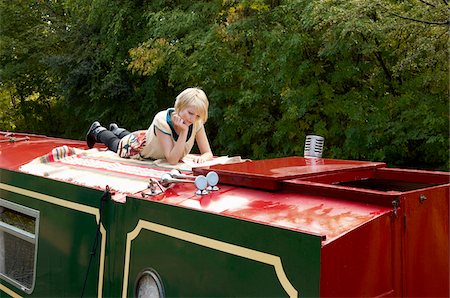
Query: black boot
x,y
94,130
119,132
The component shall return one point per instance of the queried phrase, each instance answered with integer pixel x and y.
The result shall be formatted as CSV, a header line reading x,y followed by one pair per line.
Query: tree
x,y
28,31
400,110
372,78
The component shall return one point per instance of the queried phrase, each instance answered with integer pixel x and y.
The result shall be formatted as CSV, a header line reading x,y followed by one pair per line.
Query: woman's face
x,y
189,115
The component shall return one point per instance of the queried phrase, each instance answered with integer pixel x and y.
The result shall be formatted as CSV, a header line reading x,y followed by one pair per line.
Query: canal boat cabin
x,y
79,222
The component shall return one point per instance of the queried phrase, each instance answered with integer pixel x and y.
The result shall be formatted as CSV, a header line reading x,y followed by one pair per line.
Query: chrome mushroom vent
x,y
313,146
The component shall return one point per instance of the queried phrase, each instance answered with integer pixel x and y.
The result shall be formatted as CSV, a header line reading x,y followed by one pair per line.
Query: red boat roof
x,y
308,212
269,174
18,149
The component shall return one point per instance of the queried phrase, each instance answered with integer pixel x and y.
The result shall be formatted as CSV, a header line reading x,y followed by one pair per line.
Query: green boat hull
x,y
194,253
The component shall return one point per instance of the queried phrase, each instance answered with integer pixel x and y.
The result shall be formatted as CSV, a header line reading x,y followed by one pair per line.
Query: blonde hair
x,y
193,97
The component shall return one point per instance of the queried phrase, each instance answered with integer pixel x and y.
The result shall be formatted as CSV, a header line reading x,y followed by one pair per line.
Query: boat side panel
x,y
365,262
404,253
426,242
67,229
204,254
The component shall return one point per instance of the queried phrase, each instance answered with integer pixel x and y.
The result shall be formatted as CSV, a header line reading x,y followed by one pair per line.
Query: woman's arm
x,y
203,146
174,153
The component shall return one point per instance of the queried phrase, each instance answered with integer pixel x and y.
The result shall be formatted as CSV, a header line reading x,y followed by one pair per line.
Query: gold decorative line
x,y
251,254
9,292
102,261
74,206
53,200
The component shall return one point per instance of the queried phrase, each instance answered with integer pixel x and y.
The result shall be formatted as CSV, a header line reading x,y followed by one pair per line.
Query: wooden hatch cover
x,y
267,174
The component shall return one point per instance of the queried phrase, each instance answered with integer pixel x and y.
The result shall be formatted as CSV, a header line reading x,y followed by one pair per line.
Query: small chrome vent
x,y
313,146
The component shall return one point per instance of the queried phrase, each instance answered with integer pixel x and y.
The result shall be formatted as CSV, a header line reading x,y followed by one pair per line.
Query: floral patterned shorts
x,y
131,145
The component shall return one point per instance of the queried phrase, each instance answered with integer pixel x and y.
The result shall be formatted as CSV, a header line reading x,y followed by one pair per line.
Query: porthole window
x,y
149,285
18,244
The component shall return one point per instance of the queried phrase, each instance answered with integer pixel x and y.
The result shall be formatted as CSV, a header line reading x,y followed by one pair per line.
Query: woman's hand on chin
x,y
178,123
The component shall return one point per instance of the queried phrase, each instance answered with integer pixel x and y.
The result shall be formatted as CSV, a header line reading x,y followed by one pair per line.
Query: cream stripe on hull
x,y
251,254
244,252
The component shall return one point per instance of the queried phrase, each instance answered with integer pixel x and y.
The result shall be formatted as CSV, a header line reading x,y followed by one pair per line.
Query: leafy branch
x,y
446,23
427,3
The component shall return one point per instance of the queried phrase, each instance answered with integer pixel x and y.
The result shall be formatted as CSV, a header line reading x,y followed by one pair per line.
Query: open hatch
x,y
268,174
369,182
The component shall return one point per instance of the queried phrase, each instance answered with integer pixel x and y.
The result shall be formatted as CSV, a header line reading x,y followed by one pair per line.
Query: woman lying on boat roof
x,y
171,135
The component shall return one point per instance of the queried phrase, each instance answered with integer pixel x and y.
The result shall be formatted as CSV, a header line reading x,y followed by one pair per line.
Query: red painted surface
x,y
266,174
366,263
425,238
318,215
369,248
425,177
15,154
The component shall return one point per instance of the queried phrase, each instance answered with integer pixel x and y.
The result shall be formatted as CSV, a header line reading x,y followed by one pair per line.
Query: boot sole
x,y
90,139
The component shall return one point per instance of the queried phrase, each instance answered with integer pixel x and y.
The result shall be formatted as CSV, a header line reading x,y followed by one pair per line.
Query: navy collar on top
x,y
174,133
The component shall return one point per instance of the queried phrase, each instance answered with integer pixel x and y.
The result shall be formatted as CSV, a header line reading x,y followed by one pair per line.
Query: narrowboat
x,y
79,222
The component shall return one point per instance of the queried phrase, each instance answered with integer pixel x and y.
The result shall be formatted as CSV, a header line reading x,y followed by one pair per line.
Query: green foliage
x,y
397,70
371,77
7,118
28,36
